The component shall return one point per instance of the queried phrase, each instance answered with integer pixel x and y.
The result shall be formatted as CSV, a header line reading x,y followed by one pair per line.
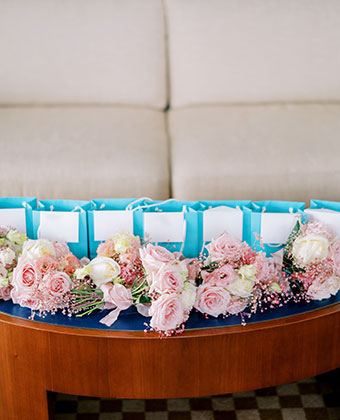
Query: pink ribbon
x,y
112,317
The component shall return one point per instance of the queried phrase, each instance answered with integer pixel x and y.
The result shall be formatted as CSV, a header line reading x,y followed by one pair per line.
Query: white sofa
x,y
196,99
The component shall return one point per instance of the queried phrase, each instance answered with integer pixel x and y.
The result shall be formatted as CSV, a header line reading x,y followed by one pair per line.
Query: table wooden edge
x,y
36,357
199,332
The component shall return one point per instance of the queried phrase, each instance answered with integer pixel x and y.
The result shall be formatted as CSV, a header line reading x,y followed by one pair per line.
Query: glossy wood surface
x,y
37,357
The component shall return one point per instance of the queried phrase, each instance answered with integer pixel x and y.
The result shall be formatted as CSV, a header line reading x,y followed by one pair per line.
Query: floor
x,y
316,398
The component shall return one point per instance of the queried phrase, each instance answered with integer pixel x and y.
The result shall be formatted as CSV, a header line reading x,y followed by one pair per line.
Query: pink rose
x,y
46,263
153,257
25,300
106,249
167,279
193,267
3,271
220,277
130,257
133,251
5,292
262,265
225,248
117,294
236,305
315,227
212,300
322,288
61,249
167,312
70,263
25,277
57,283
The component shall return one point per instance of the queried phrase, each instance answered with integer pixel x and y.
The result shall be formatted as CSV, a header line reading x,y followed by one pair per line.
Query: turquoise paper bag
x,y
171,224
269,223
326,212
217,217
17,212
63,220
109,216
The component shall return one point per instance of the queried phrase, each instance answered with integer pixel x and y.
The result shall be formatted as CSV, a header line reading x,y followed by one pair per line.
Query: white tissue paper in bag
x,y
328,217
59,226
164,226
276,227
222,219
15,218
108,222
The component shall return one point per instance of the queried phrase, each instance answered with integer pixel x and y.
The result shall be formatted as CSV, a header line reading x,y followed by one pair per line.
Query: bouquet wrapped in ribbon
x,y
42,277
172,290
235,279
10,248
312,261
114,280
124,273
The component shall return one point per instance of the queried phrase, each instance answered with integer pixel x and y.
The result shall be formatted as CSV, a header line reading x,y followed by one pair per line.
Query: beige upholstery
x,y
83,86
82,51
287,152
231,51
83,152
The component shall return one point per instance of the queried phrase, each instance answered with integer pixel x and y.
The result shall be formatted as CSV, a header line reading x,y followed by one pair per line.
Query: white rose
x,y
275,287
247,272
16,237
182,268
82,272
242,287
7,256
310,248
122,242
188,296
3,282
35,249
103,270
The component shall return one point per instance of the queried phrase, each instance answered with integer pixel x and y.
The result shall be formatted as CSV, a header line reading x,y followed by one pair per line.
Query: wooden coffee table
x,y
39,356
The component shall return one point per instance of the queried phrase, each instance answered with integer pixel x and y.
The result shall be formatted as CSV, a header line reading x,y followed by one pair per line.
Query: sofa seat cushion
x,y
286,152
83,152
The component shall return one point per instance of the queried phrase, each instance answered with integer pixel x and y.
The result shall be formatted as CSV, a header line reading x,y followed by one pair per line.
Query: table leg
x,y
22,377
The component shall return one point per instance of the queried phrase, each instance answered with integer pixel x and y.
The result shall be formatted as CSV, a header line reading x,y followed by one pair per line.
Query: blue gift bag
x,y
217,217
63,220
326,212
17,212
271,222
171,224
109,216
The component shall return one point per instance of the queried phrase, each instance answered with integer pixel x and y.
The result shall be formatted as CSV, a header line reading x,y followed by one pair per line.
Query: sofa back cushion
x,y
230,51
82,51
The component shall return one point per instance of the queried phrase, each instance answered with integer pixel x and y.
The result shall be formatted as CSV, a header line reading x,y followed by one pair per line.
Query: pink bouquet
x,y
113,280
312,261
10,248
41,279
172,289
234,277
124,273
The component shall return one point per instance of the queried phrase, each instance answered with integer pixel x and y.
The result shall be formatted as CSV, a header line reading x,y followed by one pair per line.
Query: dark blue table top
x,y
130,320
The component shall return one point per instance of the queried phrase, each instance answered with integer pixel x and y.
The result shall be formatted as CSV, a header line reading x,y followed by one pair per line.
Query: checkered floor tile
x,y
316,398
